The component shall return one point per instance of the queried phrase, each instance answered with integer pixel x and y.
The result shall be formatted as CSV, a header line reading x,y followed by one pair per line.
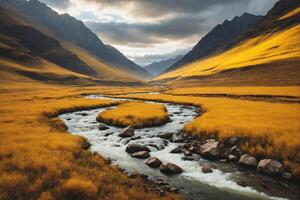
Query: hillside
x,y
218,38
156,68
67,29
256,58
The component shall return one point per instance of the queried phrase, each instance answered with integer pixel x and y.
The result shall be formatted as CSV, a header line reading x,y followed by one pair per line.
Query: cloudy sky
x,y
151,30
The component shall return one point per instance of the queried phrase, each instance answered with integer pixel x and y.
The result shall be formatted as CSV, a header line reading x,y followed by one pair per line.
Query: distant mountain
x,y
72,30
219,37
156,68
266,54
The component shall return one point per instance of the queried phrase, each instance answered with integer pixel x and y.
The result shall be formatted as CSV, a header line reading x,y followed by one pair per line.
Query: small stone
x,y
187,153
248,160
132,148
102,127
174,190
232,158
169,168
153,162
141,154
127,132
190,158
166,135
286,175
207,169
270,166
177,150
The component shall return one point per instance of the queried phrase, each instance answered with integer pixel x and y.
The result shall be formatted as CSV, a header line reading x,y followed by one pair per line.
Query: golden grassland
x,y
39,160
269,129
136,114
266,48
290,14
293,91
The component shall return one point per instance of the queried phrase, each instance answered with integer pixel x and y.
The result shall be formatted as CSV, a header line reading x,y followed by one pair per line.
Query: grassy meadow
x,y
39,160
136,114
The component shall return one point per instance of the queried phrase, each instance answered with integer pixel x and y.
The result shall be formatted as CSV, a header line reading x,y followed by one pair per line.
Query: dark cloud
x,y
61,4
150,33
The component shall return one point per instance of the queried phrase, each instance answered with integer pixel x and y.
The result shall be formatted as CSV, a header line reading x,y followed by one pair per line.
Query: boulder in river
x,y
132,148
187,153
211,150
232,141
141,154
206,169
127,132
102,127
169,169
177,150
235,150
153,162
270,166
248,160
166,135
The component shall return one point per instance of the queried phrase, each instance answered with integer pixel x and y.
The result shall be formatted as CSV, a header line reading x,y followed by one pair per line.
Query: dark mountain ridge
x,y
70,29
219,37
156,68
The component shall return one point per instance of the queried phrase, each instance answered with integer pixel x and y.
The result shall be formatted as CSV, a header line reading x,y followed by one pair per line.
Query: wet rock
x,y
154,146
286,175
108,134
270,166
235,150
136,138
102,127
107,161
133,175
232,158
248,160
141,154
174,190
153,162
177,150
190,158
242,183
187,153
68,119
132,148
223,160
144,176
211,150
206,169
83,114
166,135
232,141
178,140
127,132
169,169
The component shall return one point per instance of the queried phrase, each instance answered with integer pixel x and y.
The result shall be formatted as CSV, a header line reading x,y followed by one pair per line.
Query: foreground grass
x,y
269,129
136,114
38,160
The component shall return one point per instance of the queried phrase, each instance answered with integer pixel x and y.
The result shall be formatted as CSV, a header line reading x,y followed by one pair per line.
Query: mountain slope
x,y
220,36
271,49
156,68
69,29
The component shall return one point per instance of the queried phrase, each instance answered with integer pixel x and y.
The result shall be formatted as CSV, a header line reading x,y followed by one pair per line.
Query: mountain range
x,y
156,68
268,53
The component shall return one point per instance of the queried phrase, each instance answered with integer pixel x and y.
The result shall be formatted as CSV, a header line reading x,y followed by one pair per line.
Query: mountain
x,y
156,68
67,28
267,54
220,36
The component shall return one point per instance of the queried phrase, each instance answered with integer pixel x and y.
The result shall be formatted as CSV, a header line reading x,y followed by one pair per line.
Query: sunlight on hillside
x,y
259,50
290,14
136,114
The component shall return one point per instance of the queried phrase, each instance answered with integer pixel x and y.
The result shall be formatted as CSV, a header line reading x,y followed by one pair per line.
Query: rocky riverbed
x,y
170,161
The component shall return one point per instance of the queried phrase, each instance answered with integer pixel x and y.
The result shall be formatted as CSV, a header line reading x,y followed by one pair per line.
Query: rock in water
x,y
270,166
166,135
153,162
141,154
169,169
177,150
248,160
132,148
206,169
211,150
127,132
102,127
232,158
286,175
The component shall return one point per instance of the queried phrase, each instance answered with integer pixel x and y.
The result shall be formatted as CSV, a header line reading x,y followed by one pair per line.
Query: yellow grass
x,y
136,114
290,14
38,159
266,48
293,91
271,129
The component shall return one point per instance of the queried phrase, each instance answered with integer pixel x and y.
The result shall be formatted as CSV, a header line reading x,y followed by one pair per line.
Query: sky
x,y
152,30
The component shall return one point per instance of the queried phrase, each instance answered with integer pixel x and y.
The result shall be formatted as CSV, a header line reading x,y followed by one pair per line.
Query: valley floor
x,y
38,159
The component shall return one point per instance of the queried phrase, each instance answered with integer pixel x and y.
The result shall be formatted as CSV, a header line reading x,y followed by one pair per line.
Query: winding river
x,y
222,183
